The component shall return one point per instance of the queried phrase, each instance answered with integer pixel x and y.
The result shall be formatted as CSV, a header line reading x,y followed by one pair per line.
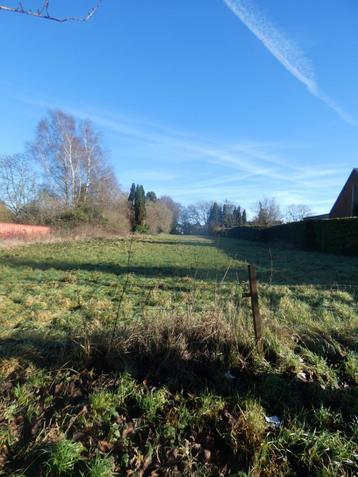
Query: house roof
x,y
354,171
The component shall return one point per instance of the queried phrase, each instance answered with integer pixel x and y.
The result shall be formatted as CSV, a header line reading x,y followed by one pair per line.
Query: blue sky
x,y
198,99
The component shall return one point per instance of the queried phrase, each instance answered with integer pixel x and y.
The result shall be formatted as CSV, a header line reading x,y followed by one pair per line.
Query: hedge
x,y
331,235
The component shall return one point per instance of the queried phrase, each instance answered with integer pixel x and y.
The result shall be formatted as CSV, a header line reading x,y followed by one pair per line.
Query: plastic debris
x,y
274,421
229,376
302,376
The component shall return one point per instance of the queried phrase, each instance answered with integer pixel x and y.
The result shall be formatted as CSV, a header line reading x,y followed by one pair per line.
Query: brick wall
x,y
23,231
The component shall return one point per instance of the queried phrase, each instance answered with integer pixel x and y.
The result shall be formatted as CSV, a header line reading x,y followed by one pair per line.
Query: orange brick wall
x,y
23,231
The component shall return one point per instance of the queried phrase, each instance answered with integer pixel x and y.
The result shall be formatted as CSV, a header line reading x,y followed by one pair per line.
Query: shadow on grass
x,y
212,274
282,265
288,268
209,242
74,379
194,371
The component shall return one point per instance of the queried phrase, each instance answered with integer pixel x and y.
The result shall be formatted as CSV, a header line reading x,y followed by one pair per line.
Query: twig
x,y
124,290
43,12
271,265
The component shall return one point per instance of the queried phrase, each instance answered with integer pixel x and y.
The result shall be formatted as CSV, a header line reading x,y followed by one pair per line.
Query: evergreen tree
x,y
131,199
131,196
229,218
238,216
226,215
151,196
139,206
244,217
215,217
221,216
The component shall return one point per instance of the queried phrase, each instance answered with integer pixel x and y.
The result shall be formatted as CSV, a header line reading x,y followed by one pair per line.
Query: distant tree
x,y
73,160
198,213
237,216
176,208
131,199
297,212
244,218
18,186
139,207
159,218
267,213
42,11
228,212
131,195
215,217
151,196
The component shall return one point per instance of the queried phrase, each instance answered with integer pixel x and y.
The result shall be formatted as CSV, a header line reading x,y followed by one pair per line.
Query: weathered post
x,y
255,307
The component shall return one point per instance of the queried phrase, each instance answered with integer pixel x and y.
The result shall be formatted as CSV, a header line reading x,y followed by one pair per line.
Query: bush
x,y
333,235
246,233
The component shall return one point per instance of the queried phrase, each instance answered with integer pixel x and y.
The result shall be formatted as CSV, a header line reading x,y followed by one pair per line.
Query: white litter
x,y
229,376
274,421
302,376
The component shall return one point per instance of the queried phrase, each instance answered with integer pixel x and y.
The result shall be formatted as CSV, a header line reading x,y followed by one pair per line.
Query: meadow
x,y
137,357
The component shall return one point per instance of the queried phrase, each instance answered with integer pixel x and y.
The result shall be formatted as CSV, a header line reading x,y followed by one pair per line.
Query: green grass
x,y
113,356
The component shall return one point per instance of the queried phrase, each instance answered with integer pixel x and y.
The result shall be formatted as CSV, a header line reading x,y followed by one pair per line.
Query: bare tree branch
x,y
43,12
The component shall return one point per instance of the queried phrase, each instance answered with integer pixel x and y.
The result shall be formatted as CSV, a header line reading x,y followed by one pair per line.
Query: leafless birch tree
x,y
73,160
18,185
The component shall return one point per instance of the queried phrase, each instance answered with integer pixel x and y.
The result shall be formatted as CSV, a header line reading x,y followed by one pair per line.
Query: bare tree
x,y
159,217
43,11
17,182
98,179
297,212
175,207
267,212
199,212
58,149
73,160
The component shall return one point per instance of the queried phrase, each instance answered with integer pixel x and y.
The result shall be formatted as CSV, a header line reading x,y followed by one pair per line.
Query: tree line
x,y
64,178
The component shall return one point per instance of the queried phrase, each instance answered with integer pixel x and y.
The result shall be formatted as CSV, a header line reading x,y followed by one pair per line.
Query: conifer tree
x,y
244,217
139,206
215,216
226,215
151,196
131,196
131,200
238,216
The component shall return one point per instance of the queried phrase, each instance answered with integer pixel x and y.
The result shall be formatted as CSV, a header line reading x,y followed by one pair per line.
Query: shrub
x,y
334,235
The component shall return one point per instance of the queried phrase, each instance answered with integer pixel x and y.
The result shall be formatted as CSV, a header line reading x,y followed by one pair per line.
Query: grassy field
x,y
137,357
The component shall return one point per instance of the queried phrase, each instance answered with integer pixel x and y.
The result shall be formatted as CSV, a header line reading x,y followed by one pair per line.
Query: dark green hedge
x,y
336,235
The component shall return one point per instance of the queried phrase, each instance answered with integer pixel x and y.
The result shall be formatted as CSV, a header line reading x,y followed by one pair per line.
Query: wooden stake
x,y
255,307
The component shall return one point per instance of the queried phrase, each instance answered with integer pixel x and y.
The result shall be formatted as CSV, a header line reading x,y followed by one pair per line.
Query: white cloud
x,y
284,50
246,172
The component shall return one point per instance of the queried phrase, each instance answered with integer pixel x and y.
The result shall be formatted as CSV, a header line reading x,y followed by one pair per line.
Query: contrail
x,y
284,50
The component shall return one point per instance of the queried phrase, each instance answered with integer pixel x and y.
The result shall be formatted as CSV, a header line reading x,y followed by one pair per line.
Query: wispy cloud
x,y
290,55
193,167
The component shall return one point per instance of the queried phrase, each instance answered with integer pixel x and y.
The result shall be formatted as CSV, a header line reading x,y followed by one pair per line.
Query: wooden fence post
x,y
255,307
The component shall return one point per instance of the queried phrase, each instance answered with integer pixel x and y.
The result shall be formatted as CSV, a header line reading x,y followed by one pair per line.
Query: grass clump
x,y
153,402
103,405
100,467
63,457
351,367
251,425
